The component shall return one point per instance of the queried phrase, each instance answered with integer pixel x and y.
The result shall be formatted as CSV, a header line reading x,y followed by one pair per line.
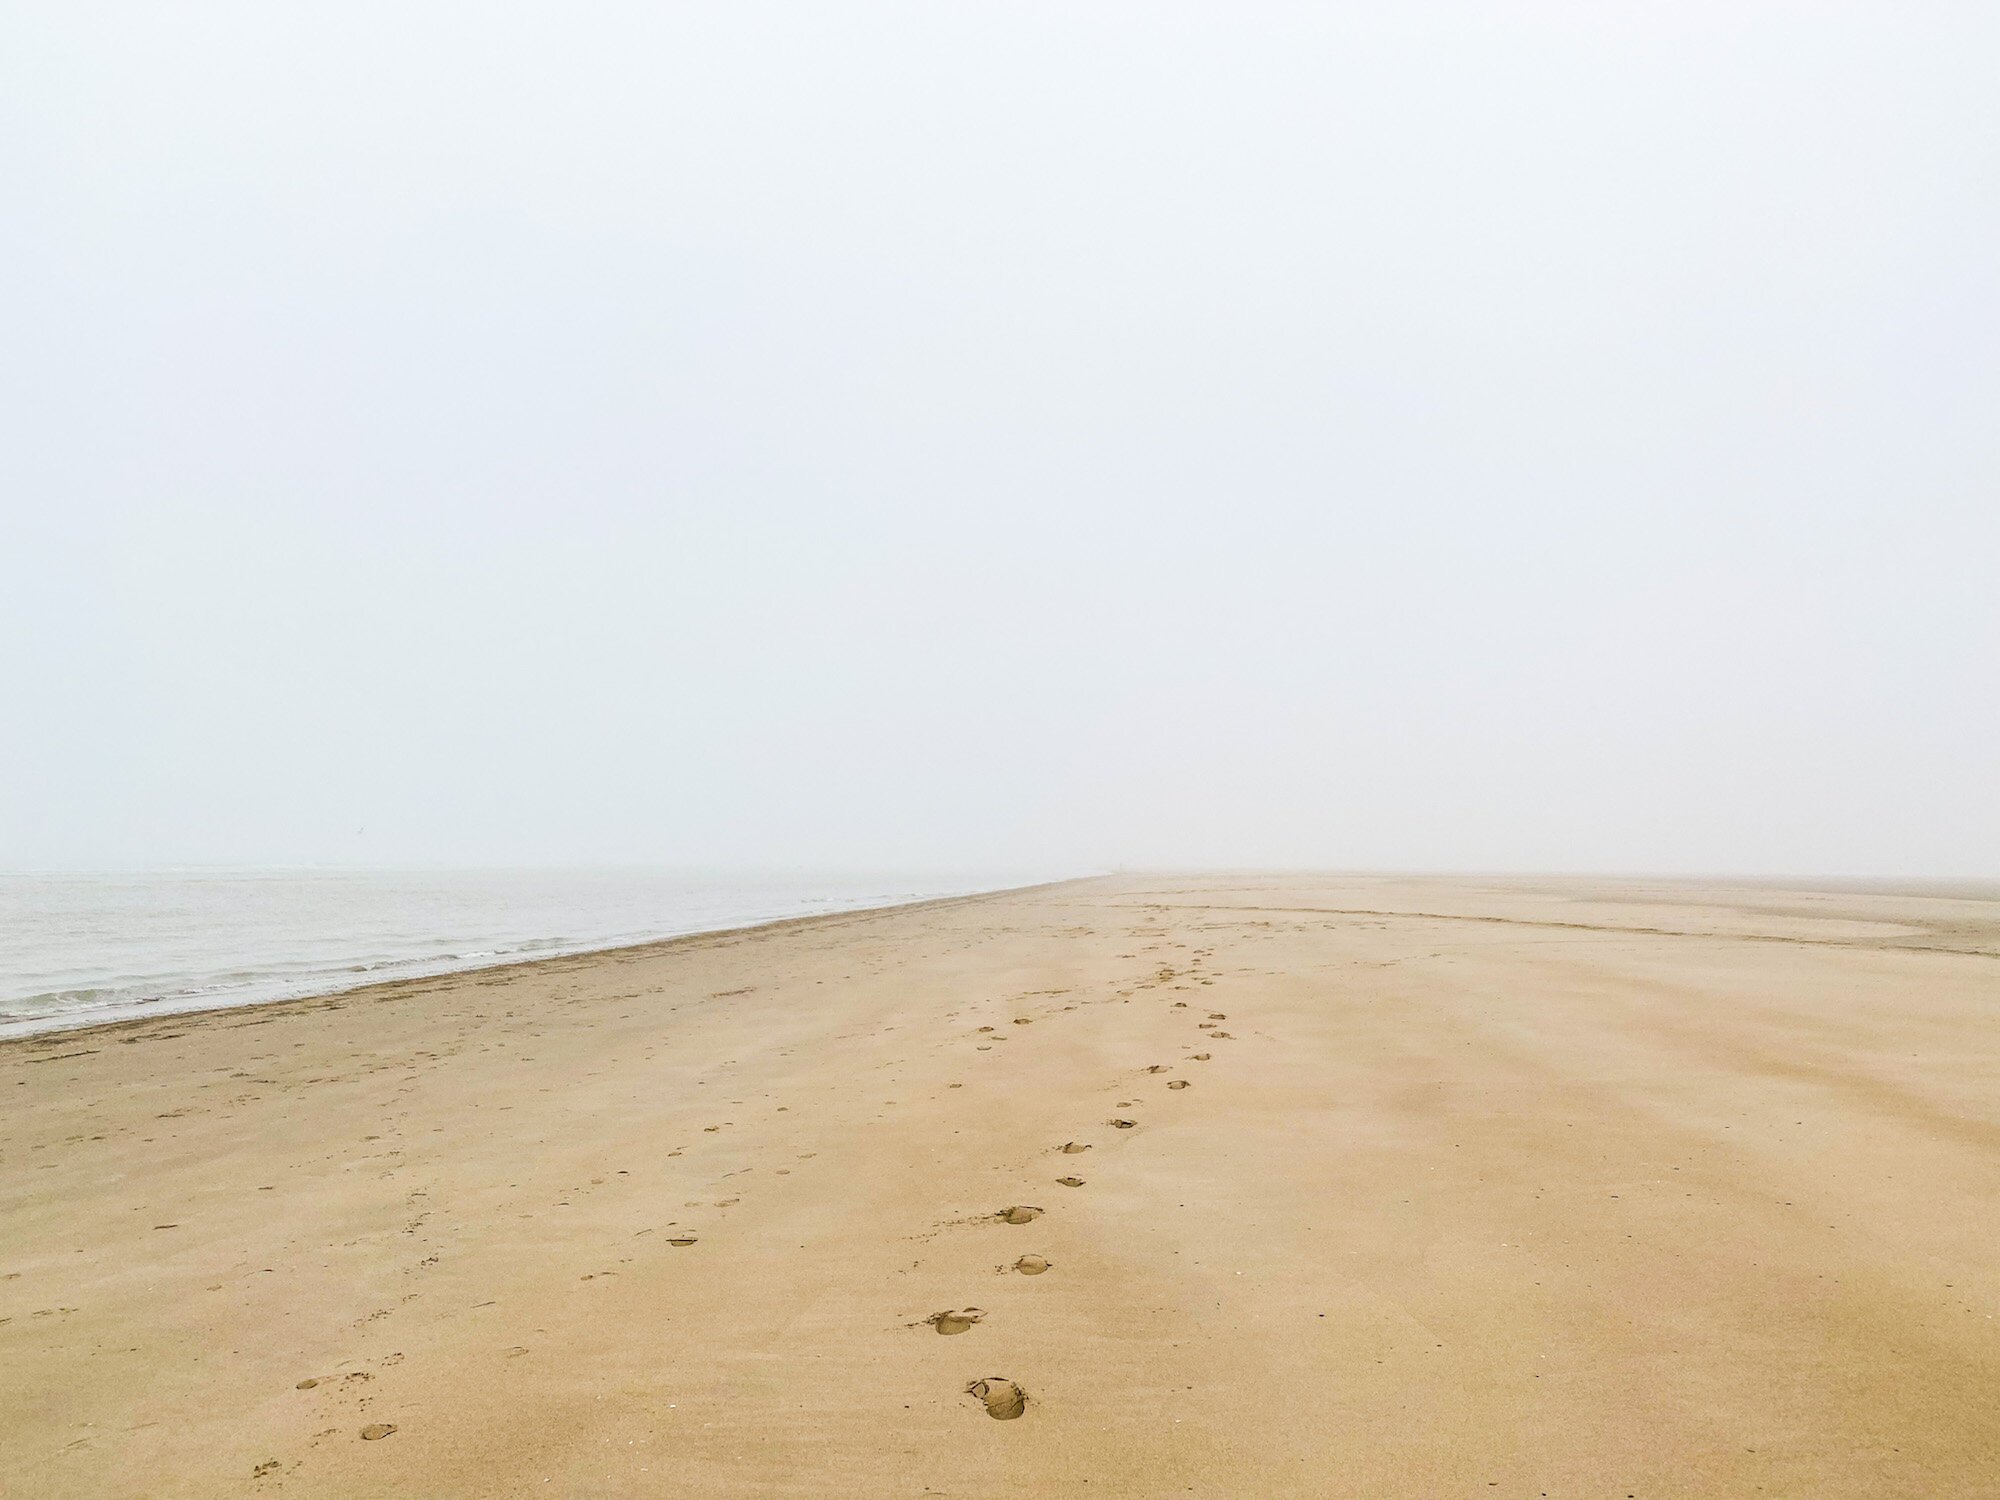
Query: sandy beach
x,y
1319,1186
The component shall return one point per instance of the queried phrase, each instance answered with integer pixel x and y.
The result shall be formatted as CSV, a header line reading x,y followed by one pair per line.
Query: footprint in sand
x,y
1123,1124
1031,1265
1156,1067
1020,1213
1073,1148
376,1431
1003,1399
1178,1083
955,1322
1070,1181
1199,1057
986,1028
1220,1036
1024,1021
683,1242
1216,1015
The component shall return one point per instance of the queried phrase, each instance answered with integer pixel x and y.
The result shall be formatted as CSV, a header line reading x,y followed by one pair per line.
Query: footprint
x,y
1216,1015
955,1322
1003,1399
376,1431
306,1385
1031,1265
1178,1083
1123,1124
1020,1213
1024,1021
1199,1057
683,1242
1070,1181
1220,1036
986,1028
1156,1067
1074,1148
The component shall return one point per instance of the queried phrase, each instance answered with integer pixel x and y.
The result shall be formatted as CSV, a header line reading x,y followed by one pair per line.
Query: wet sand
x,y
1247,1186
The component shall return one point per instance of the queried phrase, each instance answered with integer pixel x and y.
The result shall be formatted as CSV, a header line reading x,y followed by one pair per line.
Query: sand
x,y
1415,1188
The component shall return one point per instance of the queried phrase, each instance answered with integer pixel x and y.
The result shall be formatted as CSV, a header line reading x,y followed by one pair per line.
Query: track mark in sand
x,y
1020,1213
1123,1124
1074,1148
1002,1399
955,1322
1216,1015
1220,1036
683,1241
1156,1067
376,1431
1031,1265
1178,1083
1200,1057
306,1384
1070,1181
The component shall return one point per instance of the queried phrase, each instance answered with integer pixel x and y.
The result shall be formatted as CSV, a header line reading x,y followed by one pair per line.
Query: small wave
x,y
83,948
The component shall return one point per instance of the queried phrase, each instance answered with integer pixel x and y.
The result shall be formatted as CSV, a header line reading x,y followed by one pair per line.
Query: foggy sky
x,y
1535,436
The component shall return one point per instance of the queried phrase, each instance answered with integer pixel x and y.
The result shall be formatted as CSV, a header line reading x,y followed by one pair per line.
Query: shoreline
x,y
1244,1186
68,1025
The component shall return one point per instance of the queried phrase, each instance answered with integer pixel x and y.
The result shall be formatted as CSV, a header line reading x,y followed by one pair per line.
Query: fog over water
x,y
80,947
1530,436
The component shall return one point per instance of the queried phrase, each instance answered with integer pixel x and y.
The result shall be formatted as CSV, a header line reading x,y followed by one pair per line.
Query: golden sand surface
x,y
1231,1185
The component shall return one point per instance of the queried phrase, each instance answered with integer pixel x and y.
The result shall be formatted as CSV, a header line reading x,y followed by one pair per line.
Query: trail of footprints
x,y
1005,1399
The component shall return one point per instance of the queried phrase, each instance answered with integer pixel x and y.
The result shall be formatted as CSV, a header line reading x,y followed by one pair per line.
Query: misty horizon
x,y
1555,440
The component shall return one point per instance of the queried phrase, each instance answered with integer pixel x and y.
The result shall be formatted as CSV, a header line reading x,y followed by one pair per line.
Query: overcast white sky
x,y
1540,436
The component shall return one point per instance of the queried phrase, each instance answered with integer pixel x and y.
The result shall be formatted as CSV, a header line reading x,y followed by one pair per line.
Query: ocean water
x,y
78,947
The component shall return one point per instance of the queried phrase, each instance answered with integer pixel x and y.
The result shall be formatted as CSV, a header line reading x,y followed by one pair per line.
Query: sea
x,y
82,947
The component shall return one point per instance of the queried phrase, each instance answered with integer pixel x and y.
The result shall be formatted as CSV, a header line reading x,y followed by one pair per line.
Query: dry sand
x,y
1476,1187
